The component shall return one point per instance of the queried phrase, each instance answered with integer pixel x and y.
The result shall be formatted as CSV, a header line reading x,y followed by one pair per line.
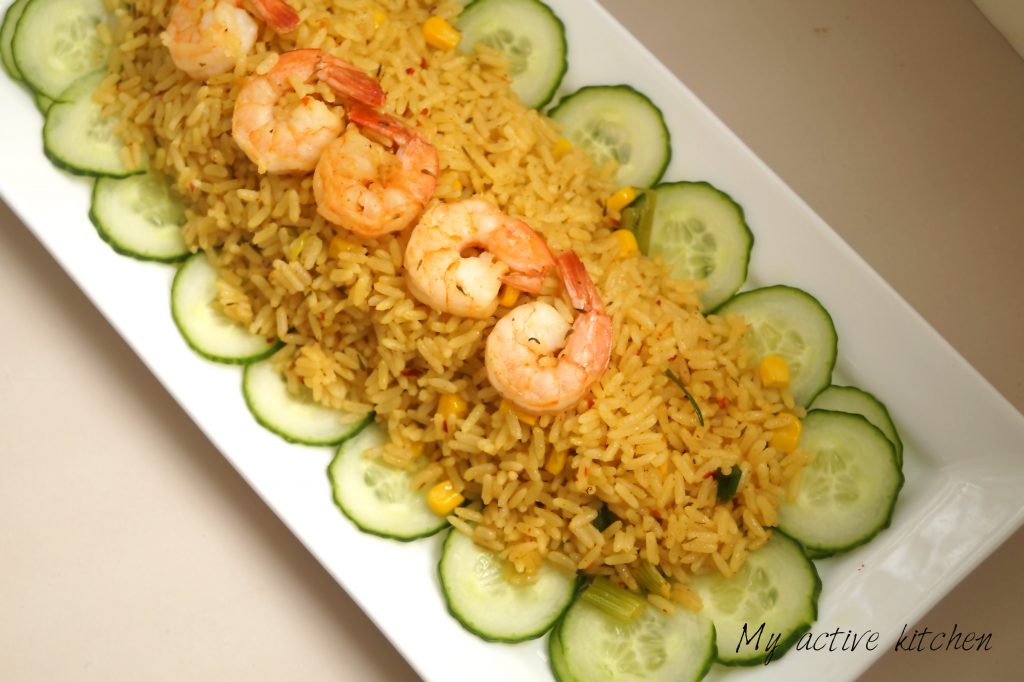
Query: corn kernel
x,y
440,34
509,296
621,199
457,186
627,243
379,16
443,498
785,438
450,404
556,462
524,417
339,246
561,148
774,371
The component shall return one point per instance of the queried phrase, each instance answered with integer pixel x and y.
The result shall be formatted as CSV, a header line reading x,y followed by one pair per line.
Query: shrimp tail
x,y
530,282
381,124
349,81
278,14
583,295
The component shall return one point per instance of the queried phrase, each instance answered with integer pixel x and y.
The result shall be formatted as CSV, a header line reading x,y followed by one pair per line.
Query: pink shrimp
x,y
519,348
281,139
444,269
364,186
207,37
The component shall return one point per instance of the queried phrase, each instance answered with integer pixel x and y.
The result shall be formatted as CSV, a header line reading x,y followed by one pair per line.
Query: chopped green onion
x,y
678,382
639,215
651,579
605,518
727,483
617,602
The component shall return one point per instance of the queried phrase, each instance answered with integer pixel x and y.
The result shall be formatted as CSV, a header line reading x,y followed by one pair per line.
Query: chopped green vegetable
x,y
639,214
605,518
727,483
614,600
651,579
678,382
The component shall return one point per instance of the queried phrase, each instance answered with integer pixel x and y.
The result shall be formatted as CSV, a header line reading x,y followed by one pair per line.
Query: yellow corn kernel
x,y
524,417
555,463
774,371
561,148
509,296
627,243
443,498
457,186
379,16
339,246
450,404
620,199
440,34
785,438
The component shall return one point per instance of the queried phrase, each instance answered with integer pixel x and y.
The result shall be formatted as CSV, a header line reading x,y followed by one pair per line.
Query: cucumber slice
x,y
617,122
848,493
531,37
486,604
43,103
56,43
701,232
297,419
11,17
379,498
78,138
778,586
206,330
140,216
655,647
556,655
789,322
857,401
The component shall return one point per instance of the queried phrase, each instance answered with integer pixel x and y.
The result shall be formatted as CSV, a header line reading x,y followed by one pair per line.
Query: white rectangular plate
x,y
961,498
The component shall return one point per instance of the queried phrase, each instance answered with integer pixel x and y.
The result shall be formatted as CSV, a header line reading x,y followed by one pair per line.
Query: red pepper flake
x,y
410,71
424,111
615,223
656,514
658,302
412,372
639,349
270,340
723,403
709,474
673,358
322,316
423,63
590,402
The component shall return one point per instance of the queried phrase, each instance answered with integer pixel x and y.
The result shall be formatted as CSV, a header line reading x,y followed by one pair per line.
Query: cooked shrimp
x,y
443,270
522,344
290,139
207,37
366,188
